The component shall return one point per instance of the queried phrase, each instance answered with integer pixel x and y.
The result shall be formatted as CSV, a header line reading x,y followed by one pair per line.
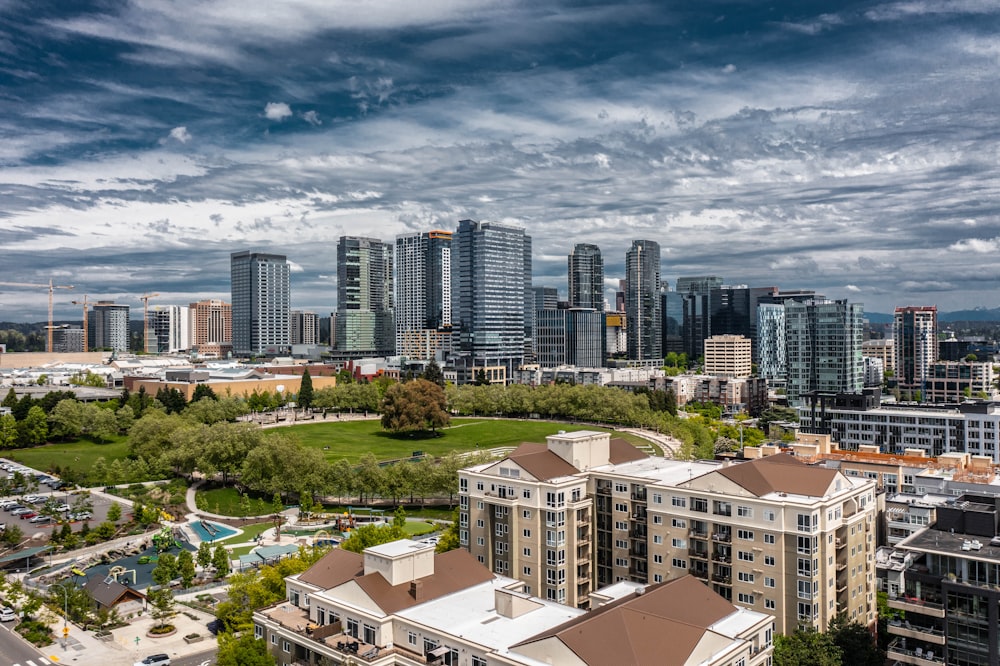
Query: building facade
x,y
955,381
211,327
915,343
728,356
771,363
261,298
67,340
572,336
642,300
107,326
584,511
823,347
883,350
585,272
491,291
423,294
697,315
170,329
364,297
305,328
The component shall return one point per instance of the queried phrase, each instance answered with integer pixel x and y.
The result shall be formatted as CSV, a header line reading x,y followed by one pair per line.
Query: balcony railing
x,y
722,536
925,634
915,605
917,656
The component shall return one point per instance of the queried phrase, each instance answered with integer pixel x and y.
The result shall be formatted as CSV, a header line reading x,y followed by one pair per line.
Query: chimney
x,y
416,589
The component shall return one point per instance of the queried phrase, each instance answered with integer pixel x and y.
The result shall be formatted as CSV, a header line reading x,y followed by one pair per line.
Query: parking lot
x,y
35,496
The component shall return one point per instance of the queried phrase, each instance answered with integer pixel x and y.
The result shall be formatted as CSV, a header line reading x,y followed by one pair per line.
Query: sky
x,y
851,147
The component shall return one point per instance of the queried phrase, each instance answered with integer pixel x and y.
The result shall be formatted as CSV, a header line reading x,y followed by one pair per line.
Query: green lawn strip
x,y
250,532
353,439
418,528
79,455
226,502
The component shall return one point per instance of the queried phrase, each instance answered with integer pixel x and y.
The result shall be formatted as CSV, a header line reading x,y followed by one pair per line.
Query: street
x,y
15,652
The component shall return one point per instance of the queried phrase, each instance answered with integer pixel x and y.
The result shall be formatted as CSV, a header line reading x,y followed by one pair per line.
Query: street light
x,y
65,591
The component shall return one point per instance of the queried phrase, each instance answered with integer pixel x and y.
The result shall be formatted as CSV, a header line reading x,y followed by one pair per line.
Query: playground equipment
x,y
164,540
116,571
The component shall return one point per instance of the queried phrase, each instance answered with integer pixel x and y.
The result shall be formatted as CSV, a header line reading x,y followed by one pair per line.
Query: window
x,y
768,538
805,589
478,661
657,578
621,543
479,485
274,639
657,538
807,522
769,560
480,505
258,631
657,498
679,563
526,533
679,501
806,545
744,511
769,604
463,501
621,562
722,508
620,507
526,514
674,522
658,559
620,525
768,582
480,541
679,543
745,598
700,505
526,493
805,567
621,487
658,520
411,637
745,556
745,535
527,552
352,628
555,500
286,646
527,571
480,523
744,577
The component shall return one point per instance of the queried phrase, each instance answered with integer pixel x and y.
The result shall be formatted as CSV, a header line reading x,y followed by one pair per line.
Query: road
x,y
206,658
15,652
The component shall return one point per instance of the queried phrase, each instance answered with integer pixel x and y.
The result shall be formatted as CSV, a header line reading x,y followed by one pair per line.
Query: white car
x,y
154,660
7,615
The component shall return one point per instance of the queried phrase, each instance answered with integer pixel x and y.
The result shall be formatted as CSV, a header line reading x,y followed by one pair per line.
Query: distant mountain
x,y
975,314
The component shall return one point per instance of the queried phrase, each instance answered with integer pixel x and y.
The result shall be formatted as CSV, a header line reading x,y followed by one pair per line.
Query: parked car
x,y
19,510
63,508
34,499
5,504
27,515
155,660
7,614
41,520
83,515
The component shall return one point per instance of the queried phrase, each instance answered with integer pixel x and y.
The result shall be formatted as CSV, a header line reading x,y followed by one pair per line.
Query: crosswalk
x,y
31,662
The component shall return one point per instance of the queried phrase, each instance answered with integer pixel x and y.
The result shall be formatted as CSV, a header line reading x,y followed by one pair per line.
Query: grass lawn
x,y
226,502
418,528
250,533
353,439
79,455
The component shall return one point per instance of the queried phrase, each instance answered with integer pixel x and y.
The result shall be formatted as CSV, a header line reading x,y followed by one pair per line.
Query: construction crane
x,y
51,287
145,320
85,302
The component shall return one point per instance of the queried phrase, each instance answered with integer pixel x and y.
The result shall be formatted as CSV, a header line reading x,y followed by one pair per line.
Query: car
x,y
155,660
82,515
20,510
214,626
7,614
27,516
34,499
8,503
63,508
41,520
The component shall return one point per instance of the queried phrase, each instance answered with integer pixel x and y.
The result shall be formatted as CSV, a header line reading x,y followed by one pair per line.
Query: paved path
x,y
666,442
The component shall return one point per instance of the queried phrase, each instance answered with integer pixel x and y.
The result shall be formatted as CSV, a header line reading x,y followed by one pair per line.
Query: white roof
x,y
397,548
471,614
662,470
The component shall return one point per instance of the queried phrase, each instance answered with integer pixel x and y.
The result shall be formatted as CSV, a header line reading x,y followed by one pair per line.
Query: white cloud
x,y
976,245
312,118
853,288
277,111
180,134
729,69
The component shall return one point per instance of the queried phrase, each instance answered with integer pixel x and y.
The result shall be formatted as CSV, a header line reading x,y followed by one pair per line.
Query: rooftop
x,y
969,546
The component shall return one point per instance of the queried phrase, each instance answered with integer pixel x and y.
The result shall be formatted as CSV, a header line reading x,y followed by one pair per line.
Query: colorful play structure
x,y
164,540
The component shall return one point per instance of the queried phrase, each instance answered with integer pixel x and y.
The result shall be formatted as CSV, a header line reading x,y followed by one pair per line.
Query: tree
x,y
173,400
367,536
449,538
220,560
244,650
481,377
10,400
161,606
414,406
203,391
806,647
8,431
433,374
204,555
855,641
305,397
34,429
185,567
115,512
166,569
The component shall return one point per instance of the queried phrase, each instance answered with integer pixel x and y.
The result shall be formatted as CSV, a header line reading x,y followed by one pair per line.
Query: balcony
x,y
719,557
698,534
918,606
917,656
700,573
700,554
925,634
724,580
724,537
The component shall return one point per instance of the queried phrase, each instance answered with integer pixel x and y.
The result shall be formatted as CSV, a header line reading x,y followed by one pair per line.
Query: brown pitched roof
x,y
107,591
538,461
662,626
622,452
453,571
336,567
780,473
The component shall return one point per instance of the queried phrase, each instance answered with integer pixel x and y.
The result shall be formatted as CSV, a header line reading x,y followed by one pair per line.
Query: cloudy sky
x,y
848,147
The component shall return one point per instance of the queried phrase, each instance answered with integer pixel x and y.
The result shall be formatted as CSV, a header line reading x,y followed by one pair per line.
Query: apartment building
x,y
774,535
955,381
400,604
728,356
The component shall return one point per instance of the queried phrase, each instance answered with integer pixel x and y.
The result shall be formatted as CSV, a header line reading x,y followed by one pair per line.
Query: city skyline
x,y
850,151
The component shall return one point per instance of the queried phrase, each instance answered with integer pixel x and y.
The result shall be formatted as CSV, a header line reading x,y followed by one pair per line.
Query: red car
x,y
30,514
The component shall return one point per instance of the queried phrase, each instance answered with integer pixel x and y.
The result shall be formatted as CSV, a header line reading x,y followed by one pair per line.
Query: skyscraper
x,y
586,277
261,294
423,294
642,300
823,347
696,292
916,344
364,297
305,328
491,286
771,342
107,326
169,329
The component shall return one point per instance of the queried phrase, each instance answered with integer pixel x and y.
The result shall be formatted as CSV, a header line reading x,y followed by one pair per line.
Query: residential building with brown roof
x,y
402,604
773,535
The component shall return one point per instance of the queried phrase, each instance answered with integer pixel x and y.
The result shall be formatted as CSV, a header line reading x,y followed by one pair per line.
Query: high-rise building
x,y
107,326
642,300
423,294
771,342
696,292
728,356
823,347
261,295
570,336
365,323
586,277
67,340
305,328
583,511
916,344
169,329
672,309
211,322
491,286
